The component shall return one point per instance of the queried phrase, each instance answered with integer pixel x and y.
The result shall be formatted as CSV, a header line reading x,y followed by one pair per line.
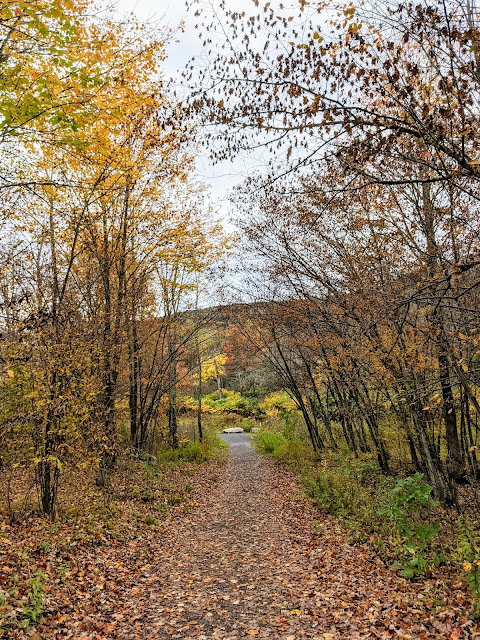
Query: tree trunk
x,y
135,435
172,395
455,461
219,379
48,471
323,411
199,391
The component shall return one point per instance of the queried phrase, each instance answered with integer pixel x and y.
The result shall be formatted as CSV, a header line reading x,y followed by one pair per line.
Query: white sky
x,y
220,178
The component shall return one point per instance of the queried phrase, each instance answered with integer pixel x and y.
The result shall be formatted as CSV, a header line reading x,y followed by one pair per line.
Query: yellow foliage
x,y
276,401
213,367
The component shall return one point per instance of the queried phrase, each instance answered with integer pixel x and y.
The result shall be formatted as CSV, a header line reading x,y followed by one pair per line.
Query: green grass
x,y
342,488
268,442
362,497
211,448
284,445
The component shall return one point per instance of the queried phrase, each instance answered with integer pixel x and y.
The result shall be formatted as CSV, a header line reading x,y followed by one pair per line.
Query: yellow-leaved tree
x,y
94,206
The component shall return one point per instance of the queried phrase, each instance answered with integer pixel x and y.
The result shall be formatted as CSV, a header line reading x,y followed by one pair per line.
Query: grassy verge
x,y
211,448
396,515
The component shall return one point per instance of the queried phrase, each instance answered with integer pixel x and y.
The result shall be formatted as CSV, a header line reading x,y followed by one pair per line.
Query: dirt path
x,y
248,562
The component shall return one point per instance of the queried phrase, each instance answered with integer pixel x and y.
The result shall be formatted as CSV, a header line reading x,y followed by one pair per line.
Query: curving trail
x,y
249,562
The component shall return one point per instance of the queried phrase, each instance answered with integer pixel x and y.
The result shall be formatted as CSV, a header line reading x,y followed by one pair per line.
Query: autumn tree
x,y
353,83
87,212
191,248
369,209
351,297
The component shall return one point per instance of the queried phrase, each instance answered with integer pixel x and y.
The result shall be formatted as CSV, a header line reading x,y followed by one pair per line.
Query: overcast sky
x,y
222,178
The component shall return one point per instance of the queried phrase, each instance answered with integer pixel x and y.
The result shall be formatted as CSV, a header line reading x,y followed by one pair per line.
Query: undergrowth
x,y
211,448
21,612
38,557
398,516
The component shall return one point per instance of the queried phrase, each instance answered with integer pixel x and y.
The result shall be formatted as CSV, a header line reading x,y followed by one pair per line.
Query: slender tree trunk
x,y
471,441
172,394
199,390
219,379
372,424
323,411
443,487
136,438
315,439
454,461
48,470
343,411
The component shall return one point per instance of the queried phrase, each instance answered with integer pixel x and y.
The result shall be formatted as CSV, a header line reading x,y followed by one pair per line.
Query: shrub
x,y
191,452
370,472
410,502
247,424
211,448
340,491
285,447
339,486
232,402
278,402
188,451
268,441
294,453
468,550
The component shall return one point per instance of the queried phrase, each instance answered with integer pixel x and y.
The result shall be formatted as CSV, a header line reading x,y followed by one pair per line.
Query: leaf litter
x,y
251,558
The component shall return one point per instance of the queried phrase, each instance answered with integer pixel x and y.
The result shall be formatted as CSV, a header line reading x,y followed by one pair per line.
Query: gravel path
x,y
248,562
239,443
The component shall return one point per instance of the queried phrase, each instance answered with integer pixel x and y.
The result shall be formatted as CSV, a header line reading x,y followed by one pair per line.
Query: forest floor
x,y
251,558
